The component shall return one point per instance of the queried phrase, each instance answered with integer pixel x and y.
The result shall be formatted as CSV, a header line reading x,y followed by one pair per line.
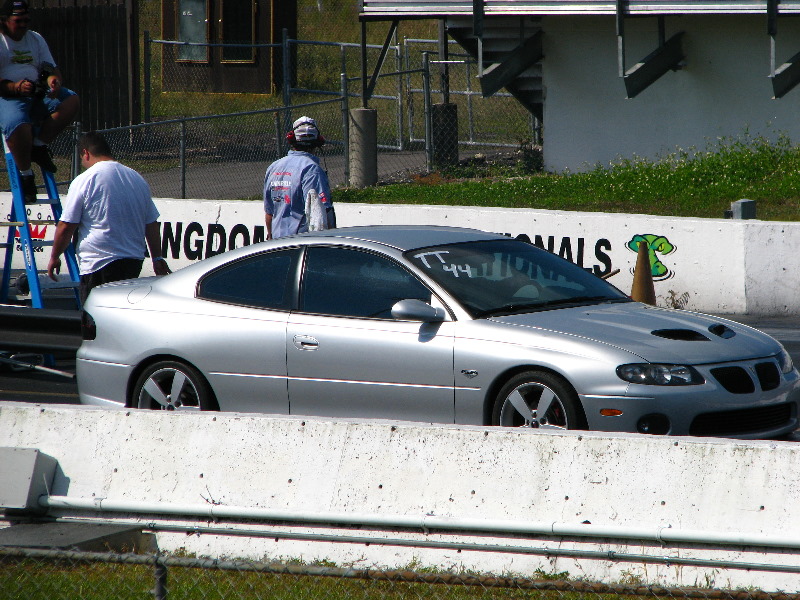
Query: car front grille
x,y
741,422
768,375
734,379
737,380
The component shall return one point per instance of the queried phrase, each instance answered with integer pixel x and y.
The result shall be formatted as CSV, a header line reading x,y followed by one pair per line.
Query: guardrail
x,y
42,329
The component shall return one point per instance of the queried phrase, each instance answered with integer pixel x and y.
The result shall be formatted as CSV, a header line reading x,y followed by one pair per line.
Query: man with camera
x,y
34,106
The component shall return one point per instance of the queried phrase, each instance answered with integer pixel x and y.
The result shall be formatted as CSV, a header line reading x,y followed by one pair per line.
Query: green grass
x,y
687,183
56,580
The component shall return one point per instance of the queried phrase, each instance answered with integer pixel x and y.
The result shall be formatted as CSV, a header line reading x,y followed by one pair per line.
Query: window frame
x,y
178,58
302,281
221,35
292,279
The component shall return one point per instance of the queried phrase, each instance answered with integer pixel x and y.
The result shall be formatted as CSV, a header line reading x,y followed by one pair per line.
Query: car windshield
x,y
502,277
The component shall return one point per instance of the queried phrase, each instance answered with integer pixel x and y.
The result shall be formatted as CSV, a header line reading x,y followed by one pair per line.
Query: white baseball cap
x,y
305,130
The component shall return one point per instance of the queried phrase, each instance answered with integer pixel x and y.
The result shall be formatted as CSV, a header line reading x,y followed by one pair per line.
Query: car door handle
x,y
306,342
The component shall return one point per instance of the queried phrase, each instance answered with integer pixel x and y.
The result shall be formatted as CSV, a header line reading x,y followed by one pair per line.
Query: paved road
x,y
45,388
236,180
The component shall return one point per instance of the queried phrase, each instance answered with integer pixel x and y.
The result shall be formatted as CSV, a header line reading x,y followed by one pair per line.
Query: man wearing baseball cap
x,y
297,196
34,106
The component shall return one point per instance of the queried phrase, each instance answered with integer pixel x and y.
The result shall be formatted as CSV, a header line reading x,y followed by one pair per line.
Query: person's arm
x,y
152,234
63,236
268,223
54,82
15,89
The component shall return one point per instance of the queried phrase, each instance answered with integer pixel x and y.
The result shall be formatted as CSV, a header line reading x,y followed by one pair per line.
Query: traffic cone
x,y
643,289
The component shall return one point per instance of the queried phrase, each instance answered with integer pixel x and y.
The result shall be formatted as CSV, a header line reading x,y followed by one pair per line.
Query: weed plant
x,y
687,183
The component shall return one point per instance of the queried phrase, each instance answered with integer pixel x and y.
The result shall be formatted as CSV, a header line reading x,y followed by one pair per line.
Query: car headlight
x,y
785,361
649,374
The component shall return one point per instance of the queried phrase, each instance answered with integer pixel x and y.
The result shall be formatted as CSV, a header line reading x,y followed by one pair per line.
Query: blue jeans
x,y
20,111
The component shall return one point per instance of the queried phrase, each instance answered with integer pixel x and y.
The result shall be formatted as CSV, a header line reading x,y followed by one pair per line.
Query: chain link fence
x,y
425,121
218,146
33,574
224,156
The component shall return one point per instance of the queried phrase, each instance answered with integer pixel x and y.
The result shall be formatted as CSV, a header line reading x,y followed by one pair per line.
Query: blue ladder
x,y
20,233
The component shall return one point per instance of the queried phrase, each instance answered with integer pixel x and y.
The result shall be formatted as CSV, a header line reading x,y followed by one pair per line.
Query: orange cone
x,y
643,289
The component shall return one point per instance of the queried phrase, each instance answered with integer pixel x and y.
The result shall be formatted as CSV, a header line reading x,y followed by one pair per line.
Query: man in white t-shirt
x,y
111,208
34,106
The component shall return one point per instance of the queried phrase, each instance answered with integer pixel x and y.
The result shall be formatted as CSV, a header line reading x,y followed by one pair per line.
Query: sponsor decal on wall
x,y
656,245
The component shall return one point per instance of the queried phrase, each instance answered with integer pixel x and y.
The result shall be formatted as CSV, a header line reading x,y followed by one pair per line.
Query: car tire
x,y
522,397
173,385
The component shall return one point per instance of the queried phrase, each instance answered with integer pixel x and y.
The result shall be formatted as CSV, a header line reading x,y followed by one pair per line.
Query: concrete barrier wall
x,y
617,482
710,265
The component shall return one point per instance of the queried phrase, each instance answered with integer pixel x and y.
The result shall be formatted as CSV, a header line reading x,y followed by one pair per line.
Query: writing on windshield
x,y
496,276
428,259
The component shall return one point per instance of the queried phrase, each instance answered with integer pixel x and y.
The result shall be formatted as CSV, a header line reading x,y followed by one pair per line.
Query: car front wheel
x,y
537,399
173,385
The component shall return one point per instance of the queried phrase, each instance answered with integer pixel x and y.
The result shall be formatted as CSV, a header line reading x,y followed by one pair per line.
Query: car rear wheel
x,y
173,385
538,399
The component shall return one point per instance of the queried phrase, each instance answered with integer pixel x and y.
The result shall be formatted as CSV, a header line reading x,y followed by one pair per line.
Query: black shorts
x,y
122,268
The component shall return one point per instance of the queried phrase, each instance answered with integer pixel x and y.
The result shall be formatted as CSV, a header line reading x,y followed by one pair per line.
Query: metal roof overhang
x,y
668,54
410,9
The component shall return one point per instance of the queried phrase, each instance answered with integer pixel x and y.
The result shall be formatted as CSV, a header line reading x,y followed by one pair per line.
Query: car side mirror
x,y
417,310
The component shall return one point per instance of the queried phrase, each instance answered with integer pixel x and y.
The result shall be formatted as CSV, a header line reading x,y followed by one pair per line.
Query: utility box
x,y
25,474
743,209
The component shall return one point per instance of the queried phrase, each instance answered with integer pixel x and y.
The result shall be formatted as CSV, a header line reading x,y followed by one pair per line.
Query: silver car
x,y
430,324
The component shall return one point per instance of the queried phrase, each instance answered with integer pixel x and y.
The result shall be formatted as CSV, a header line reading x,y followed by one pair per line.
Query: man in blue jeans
x,y
34,106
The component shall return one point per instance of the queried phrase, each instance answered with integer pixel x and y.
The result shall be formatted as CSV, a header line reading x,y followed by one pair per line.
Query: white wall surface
x,y
723,90
382,468
720,266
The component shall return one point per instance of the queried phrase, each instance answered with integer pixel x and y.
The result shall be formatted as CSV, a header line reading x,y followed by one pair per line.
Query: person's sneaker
x,y
28,183
42,156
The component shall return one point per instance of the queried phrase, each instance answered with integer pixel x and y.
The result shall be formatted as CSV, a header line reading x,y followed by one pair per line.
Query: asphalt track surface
x,y
34,386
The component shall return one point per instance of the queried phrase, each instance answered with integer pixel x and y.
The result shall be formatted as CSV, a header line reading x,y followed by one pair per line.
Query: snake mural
x,y
656,245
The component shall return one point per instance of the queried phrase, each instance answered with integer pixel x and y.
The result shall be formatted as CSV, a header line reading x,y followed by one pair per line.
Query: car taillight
x,y
88,327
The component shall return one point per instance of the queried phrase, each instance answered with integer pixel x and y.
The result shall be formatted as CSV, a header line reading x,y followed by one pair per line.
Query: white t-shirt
x,y
23,59
111,204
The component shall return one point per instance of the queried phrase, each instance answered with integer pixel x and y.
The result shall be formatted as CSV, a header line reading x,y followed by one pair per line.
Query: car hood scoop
x,y
685,335
655,334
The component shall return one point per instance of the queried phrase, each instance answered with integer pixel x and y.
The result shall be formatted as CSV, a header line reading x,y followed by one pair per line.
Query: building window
x,y
238,27
193,27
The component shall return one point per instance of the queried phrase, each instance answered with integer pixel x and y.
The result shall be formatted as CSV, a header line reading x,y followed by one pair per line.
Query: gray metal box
x,y
25,474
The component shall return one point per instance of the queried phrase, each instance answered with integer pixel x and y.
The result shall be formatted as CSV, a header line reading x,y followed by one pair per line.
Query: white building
x,y
631,77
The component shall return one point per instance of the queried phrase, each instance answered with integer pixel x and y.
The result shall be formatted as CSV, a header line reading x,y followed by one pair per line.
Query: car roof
x,y
409,237
399,237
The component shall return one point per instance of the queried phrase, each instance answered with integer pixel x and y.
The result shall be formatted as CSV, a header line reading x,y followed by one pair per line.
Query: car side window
x,y
263,281
352,283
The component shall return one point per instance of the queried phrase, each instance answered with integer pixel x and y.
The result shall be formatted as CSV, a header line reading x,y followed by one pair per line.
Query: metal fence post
x,y
346,128
470,116
183,159
279,137
426,93
287,78
160,572
75,167
399,62
410,88
147,75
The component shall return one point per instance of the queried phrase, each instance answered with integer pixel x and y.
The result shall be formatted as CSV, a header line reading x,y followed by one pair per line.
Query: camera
x,y
40,87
